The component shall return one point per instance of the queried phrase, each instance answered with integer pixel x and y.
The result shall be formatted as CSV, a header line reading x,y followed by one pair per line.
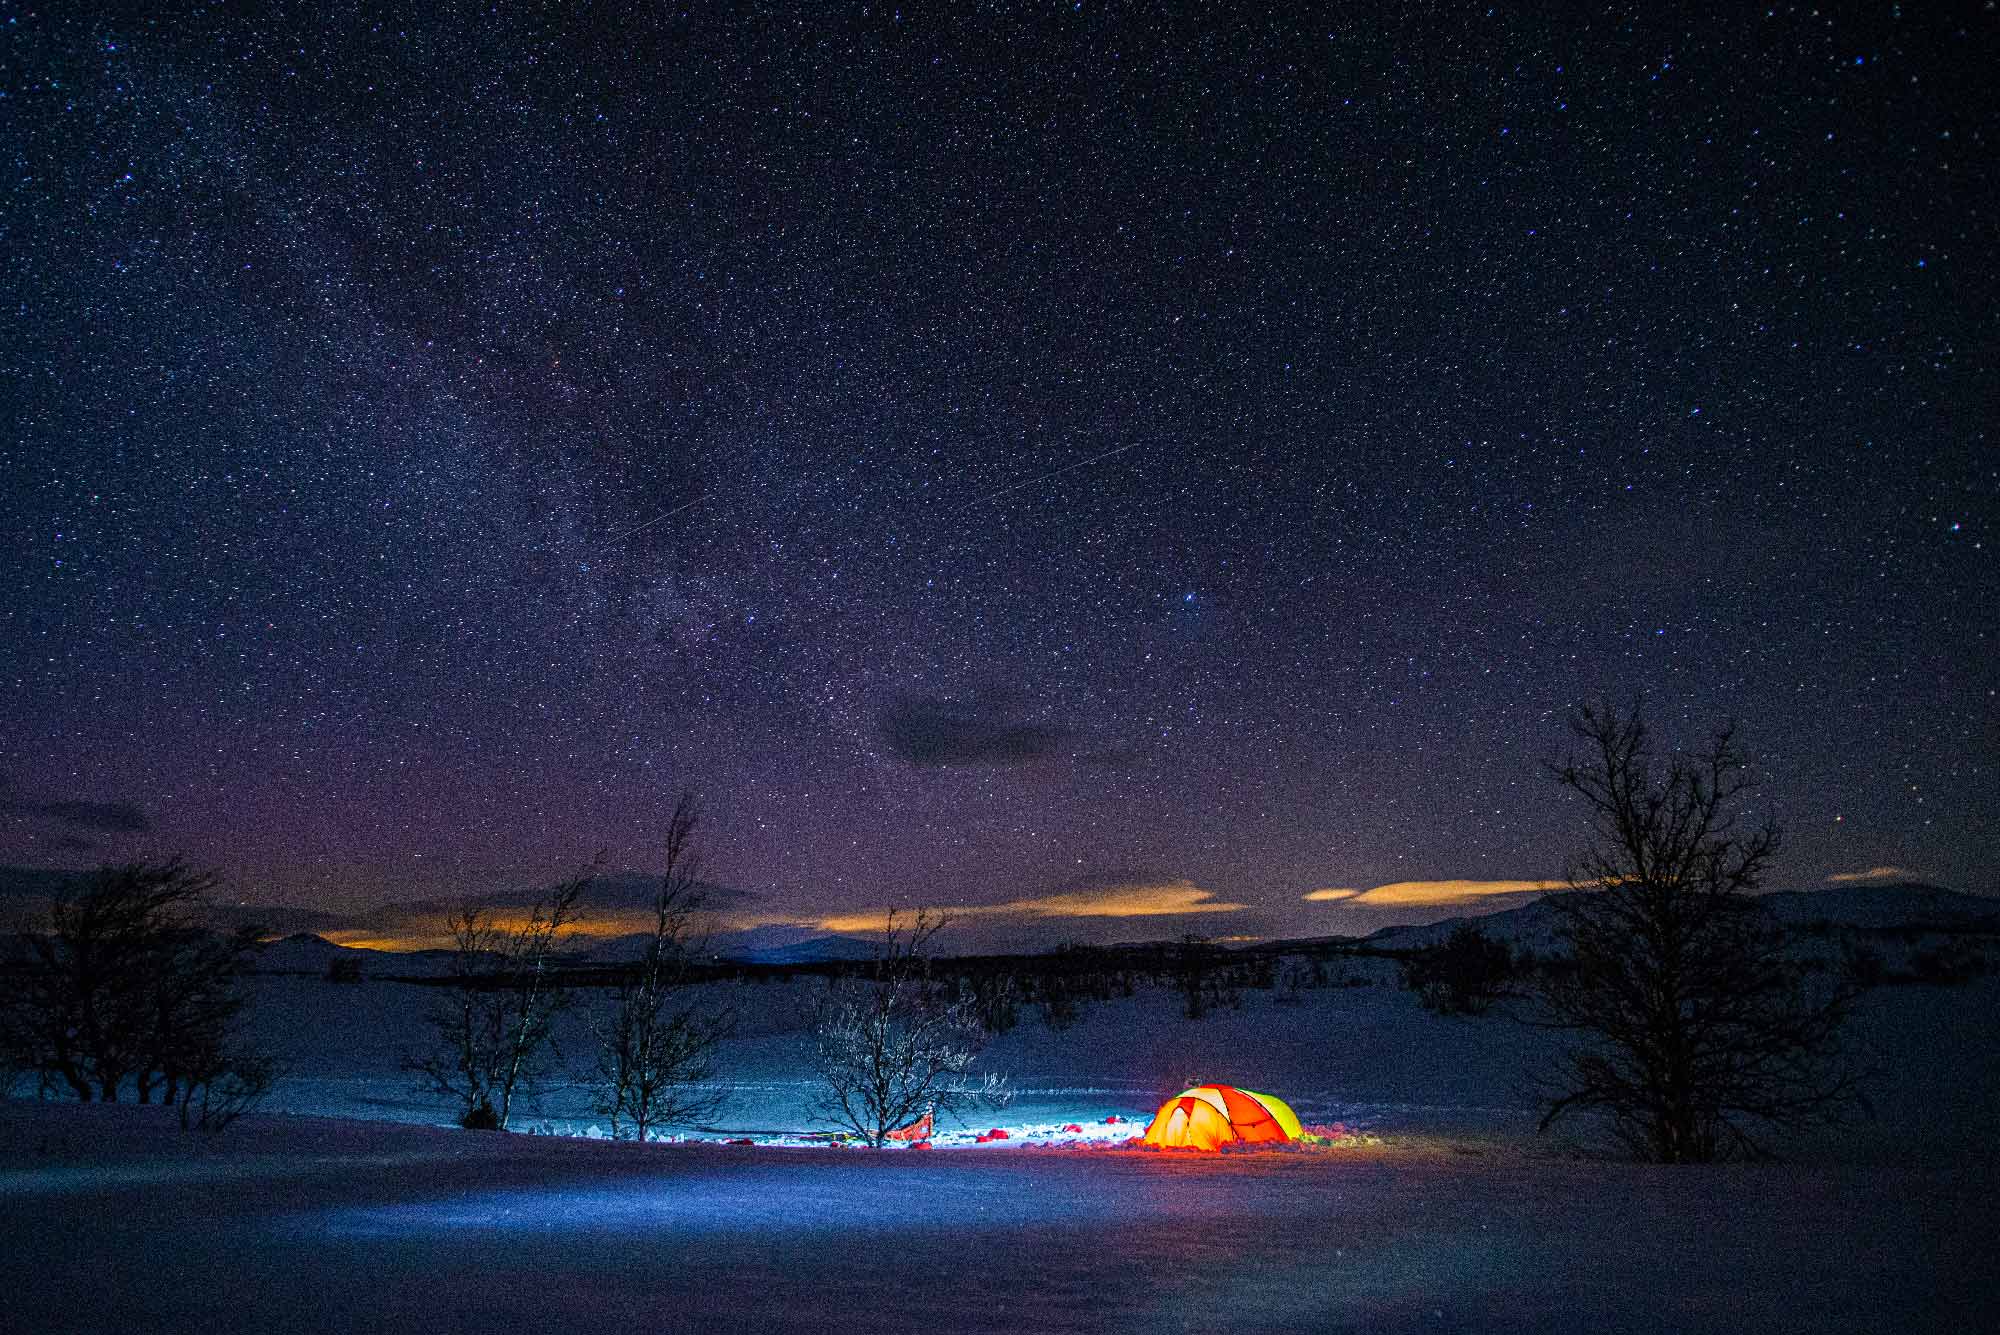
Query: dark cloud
x,y
70,843
110,817
985,729
273,919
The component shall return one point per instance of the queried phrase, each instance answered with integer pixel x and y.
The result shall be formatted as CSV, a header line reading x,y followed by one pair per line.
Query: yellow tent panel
x,y
1208,1117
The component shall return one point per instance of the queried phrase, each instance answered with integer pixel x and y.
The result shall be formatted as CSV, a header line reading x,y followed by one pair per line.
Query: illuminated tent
x,y
1210,1116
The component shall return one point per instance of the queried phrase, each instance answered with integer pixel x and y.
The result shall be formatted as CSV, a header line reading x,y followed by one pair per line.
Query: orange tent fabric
x,y
1208,1117
917,1130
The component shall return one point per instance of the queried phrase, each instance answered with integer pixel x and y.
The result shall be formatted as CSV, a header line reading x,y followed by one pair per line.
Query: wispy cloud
x,y
1872,874
1124,901
1431,894
1330,893
1161,899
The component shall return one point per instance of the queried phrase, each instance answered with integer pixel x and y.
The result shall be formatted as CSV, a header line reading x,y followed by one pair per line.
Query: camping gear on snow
x,y
917,1130
1210,1116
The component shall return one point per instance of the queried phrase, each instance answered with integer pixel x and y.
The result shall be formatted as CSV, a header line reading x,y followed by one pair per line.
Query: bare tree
x,y
653,1058
898,1041
1695,1030
126,993
493,1023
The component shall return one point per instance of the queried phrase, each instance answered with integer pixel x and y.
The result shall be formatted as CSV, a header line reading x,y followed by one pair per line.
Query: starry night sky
x,y
1065,457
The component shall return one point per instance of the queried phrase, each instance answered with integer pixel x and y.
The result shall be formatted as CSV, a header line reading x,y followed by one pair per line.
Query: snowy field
x,y
346,1205
1339,1055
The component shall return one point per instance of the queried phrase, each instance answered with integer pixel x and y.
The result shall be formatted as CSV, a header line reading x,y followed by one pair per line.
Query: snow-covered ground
x,y
1368,1056
1342,1054
346,1203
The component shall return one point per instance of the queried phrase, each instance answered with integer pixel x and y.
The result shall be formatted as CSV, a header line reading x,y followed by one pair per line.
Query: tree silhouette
x,y
126,993
1695,1031
898,1041
1462,975
492,1024
653,1057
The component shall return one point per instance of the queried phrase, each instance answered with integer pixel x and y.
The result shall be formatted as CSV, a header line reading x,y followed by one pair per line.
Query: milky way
x,y
991,460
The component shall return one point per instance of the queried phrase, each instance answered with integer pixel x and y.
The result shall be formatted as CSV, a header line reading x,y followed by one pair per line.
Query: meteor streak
x,y
620,537
1066,468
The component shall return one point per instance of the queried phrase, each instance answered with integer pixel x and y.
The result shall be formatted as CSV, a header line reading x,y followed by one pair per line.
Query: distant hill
x,y
773,944
272,919
1895,904
302,947
1532,925
1888,904
303,952
779,943
816,950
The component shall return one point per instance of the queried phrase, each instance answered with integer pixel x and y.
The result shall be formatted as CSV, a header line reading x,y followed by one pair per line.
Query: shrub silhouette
x,y
1463,975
